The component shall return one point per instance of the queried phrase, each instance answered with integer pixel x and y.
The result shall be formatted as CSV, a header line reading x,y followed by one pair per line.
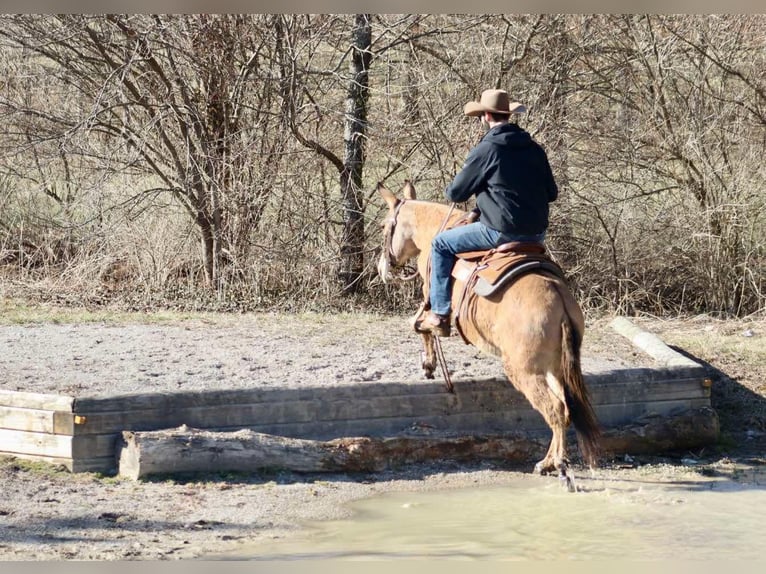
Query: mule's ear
x,y
387,195
409,189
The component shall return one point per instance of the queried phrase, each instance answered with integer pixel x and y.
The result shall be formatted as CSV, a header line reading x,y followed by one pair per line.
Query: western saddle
x,y
484,273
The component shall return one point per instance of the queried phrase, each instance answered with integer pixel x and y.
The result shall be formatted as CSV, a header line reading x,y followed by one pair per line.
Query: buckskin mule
x,y
534,325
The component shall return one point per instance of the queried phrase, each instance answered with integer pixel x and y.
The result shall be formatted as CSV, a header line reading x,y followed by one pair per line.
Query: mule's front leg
x,y
428,355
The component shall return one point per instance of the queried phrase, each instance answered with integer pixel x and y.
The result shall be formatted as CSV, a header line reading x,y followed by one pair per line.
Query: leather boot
x,y
438,325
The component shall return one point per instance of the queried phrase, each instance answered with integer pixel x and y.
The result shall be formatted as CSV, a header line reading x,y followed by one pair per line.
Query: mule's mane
x,y
429,215
428,203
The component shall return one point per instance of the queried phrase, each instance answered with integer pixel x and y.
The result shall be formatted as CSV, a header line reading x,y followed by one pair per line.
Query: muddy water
x,y
533,518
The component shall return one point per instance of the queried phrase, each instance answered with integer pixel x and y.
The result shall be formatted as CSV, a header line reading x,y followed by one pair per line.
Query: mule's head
x,y
398,231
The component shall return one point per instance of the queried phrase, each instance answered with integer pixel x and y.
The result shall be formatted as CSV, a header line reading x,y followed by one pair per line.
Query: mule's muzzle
x,y
388,270
384,269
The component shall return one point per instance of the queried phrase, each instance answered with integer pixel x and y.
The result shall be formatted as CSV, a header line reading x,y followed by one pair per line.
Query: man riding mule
x,y
510,176
532,322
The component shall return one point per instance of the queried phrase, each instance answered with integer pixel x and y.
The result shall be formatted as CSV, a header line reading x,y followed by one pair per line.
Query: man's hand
x,y
469,217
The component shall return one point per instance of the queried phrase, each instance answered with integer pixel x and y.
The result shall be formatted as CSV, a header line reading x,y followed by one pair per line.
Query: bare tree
x,y
663,138
256,136
168,96
350,167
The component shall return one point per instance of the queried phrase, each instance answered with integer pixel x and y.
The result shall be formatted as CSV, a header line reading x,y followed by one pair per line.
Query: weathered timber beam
x,y
691,429
193,450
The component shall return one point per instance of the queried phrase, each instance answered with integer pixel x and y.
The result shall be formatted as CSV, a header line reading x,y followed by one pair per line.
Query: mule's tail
x,y
577,397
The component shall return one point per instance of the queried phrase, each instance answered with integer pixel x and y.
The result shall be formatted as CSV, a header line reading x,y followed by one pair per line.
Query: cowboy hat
x,y
494,101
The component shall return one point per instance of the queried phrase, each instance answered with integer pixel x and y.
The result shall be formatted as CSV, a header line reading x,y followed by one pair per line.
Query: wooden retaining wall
x,y
82,433
37,426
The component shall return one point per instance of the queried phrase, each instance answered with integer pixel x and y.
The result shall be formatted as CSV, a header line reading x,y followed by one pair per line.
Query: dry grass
x,y
15,311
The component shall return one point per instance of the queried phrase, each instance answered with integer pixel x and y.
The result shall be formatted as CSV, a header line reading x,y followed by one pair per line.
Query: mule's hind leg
x,y
556,458
551,460
547,397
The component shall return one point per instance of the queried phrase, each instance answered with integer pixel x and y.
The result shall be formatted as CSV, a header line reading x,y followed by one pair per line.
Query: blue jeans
x,y
472,237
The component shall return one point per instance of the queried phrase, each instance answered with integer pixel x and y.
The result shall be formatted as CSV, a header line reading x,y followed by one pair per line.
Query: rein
x,y
426,304
446,218
428,263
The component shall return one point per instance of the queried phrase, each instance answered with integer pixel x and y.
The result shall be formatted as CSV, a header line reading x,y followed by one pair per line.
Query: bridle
x,y
388,245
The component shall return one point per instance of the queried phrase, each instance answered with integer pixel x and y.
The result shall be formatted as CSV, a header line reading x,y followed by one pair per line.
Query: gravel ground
x,y
235,352
49,514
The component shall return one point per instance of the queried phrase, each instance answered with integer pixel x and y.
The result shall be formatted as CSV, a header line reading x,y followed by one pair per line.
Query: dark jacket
x,y
510,175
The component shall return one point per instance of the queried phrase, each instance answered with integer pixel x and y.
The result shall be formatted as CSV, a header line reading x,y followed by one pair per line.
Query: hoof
x,y
568,482
566,477
428,368
543,467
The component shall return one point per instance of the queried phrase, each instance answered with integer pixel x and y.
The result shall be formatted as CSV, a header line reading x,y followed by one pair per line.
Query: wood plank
x,y
611,393
35,420
417,406
615,415
489,391
206,417
690,429
362,391
145,401
296,412
64,422
476,422
641,375
462,422
104,464
93,446
36,401
33,443
24,419
650,391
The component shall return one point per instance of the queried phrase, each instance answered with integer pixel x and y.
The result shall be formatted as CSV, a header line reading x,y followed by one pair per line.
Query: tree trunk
x,y
352,242
208,245
186,449
194,450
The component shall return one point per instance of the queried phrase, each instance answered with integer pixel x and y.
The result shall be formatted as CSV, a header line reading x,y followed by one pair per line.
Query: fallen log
x,y
184,449
194,450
